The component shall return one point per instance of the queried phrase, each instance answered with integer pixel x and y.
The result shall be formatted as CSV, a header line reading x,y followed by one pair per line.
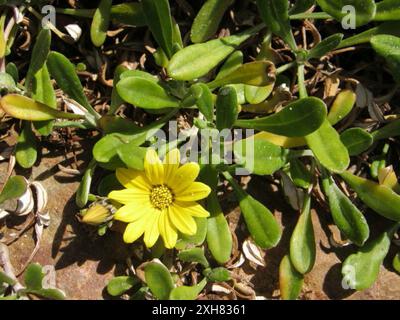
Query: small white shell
x,y
25,203
41,196
74,31
75,107
238,263
253,253
44,219
217,288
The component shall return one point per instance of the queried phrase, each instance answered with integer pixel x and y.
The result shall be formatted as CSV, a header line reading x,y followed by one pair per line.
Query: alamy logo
x,y
49,16
349,19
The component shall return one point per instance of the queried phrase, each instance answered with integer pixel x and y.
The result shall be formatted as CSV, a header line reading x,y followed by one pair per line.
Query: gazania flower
x,y
161,200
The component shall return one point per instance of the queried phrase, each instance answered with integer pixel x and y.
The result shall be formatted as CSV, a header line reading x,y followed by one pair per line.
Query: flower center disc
x,y
161,197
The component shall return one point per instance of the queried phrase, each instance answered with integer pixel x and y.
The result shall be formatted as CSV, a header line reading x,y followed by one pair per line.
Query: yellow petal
x,y
134,230
133,211
167,230
153,168
129,195
171,164
194,192
133,179
183,222
152,232
192,208
183,177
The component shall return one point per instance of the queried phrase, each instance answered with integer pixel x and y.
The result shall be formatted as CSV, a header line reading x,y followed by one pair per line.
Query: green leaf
x,y
194,255
342,106
12,70
206,23
219,274
364,10
82,194
132,155
203,99
14,188
356,140
300,175
227,108
345,214
144,93
361,269
43,91
302,242
26,153
106,149
328,148
6,279
197,60
54,294
297,119
114,124
39,55
275,14
389,27
234,61
186,292
325,46
100,23
389,47
387,10
119,285
34,276
290,280
159,280
7,82
390,130
24,108
379,198
219,238
158,17
256,95
185,240
261,158
396,262
63,71
257,73
116,100
260,222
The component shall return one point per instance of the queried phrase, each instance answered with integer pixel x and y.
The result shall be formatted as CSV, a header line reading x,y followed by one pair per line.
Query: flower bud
x,y
98,213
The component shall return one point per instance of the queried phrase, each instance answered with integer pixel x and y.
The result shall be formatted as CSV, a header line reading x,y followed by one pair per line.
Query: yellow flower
x,y
160,200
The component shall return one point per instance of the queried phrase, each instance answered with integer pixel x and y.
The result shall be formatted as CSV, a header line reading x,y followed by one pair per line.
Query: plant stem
x,y
286,67
312,15
236,187
300,79
74,124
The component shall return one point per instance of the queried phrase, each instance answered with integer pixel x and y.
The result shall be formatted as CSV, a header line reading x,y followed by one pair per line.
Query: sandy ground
x,y
84,263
